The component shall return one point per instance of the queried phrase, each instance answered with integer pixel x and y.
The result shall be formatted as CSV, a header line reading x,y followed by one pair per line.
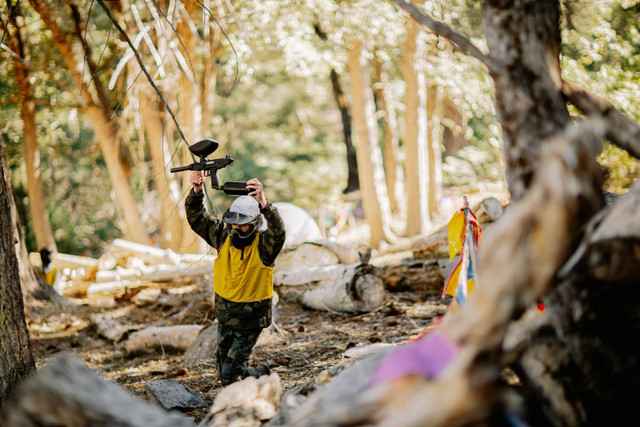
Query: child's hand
x,y
256,190
196,178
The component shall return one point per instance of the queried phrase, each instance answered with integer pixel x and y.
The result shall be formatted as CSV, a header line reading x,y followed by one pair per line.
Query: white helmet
x,y
244,210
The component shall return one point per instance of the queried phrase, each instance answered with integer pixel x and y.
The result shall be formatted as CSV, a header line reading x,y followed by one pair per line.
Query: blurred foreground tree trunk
x,y
17,38
97,109
373,185
16,360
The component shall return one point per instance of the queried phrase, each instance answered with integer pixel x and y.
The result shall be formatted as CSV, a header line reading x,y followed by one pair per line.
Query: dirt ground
x,y
314,340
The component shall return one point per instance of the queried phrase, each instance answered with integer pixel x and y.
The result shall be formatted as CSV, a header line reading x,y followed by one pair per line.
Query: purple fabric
x,y
428,357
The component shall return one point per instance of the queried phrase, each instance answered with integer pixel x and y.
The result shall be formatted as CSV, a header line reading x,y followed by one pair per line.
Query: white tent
x,y
299,225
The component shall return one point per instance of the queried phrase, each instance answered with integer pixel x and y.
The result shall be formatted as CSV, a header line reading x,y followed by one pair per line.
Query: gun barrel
x,y
181,168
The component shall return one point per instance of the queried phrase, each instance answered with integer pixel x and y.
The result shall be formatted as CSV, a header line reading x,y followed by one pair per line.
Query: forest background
x,y
309,96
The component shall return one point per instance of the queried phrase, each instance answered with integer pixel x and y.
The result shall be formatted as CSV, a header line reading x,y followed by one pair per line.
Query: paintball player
x,y
47,271
243,272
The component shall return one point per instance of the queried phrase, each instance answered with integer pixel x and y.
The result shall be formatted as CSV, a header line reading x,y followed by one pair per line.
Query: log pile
x,y
125,265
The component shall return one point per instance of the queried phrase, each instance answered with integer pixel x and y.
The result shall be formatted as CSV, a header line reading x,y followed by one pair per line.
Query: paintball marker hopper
x,y
203,149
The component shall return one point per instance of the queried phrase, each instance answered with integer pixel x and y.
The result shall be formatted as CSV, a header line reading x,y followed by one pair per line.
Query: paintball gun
x,y
210,167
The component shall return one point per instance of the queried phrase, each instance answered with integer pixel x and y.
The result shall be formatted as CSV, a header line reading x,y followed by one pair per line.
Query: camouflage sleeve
x,y
211,229
272,240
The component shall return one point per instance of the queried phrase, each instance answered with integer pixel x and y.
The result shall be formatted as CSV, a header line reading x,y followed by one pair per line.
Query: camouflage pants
x,y
234,351
239,326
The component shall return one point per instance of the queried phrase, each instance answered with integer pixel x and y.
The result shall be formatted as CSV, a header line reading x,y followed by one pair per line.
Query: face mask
x,y
241,240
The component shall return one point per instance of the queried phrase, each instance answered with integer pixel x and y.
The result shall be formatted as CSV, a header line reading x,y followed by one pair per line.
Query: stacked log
x,y
125,265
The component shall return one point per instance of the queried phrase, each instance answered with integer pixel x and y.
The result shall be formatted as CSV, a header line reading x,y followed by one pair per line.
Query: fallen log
x,y
413,275
305,255
162,339
155,273
153,255
67,393
341,288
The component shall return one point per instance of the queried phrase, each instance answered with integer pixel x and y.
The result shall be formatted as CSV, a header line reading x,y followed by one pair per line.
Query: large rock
x,y
172,394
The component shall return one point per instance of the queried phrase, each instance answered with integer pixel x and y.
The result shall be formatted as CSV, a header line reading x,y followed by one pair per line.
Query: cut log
x,y
155,273
111,288
346,253
85,267
341,288
303,256
153,255
413,275
67,393
163,339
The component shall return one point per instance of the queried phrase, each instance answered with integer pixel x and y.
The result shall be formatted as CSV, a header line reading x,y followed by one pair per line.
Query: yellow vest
x,y
50,276
242,280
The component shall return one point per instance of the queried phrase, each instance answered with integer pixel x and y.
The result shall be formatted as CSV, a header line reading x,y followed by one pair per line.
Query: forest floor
x,y
314,341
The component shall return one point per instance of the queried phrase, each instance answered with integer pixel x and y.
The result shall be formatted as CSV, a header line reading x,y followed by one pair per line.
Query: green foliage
x,y
280,121
601,50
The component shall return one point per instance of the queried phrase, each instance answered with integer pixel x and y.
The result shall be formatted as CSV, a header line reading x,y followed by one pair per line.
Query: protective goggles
x,y
237,218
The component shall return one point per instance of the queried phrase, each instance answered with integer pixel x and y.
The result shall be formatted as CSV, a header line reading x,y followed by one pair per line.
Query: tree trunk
x,y
16,360
529,104
393,168
434,148
370,170
105,130
37,203
189,114
171,218
352,161
416,138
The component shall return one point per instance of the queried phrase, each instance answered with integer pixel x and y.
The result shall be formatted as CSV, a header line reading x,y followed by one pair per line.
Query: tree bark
x,y
434,148
37,203
416,137
530,107
105,130
352,162
393,167
16,360
171,219
373,187
190,111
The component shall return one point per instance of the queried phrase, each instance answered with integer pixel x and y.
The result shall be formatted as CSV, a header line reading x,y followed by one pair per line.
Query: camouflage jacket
x,y
238,316
214,232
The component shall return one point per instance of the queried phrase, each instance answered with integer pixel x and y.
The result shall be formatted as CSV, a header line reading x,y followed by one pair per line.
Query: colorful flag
x,y
464,235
